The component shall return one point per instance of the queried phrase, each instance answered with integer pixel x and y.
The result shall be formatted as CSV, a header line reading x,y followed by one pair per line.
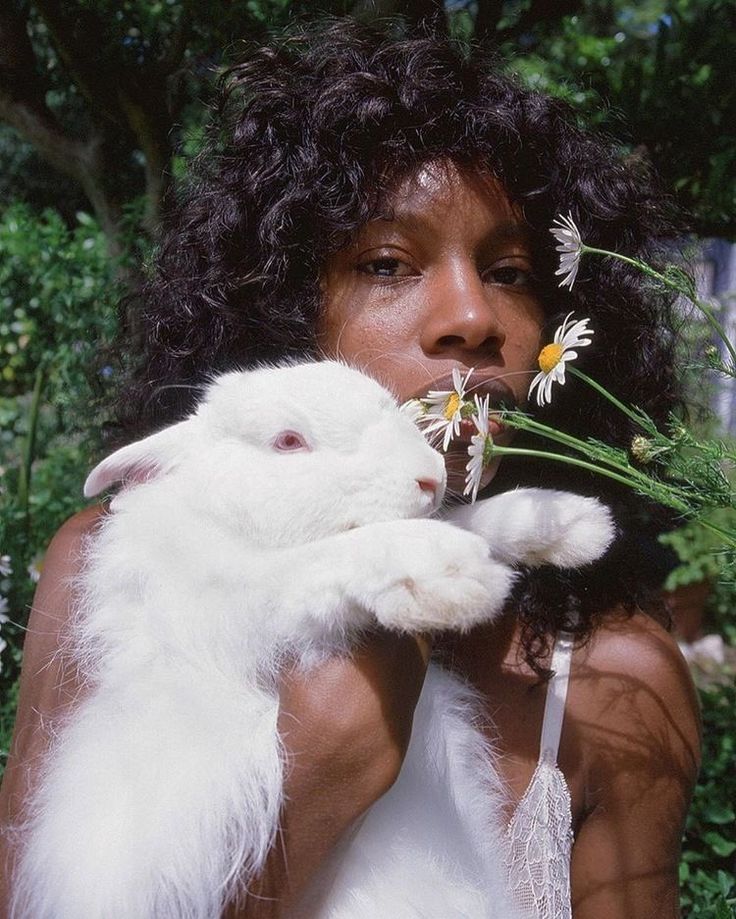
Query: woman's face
x,y
442,280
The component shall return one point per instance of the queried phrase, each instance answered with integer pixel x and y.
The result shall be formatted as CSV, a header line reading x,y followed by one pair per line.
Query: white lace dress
x,y
540,831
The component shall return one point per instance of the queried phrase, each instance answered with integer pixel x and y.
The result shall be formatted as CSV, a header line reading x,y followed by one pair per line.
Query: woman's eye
x,y
509,275
385,267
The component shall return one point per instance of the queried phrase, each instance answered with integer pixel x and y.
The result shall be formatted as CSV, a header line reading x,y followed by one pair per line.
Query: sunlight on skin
x,y
442,279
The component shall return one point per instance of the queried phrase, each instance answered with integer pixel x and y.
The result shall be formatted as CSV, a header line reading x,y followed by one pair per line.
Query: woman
x,y
389,202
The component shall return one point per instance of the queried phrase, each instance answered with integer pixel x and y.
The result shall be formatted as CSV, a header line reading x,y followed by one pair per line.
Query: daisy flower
x,y
414,410
445,409
35,568
571,248
3,609
6,568
552,358
480,449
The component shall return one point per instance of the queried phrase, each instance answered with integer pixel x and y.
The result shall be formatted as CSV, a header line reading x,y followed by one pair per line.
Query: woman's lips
x,y
498,392
468,429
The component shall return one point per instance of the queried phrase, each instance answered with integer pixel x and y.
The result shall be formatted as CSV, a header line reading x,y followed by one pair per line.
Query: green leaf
x,y
721,846
726,882
719,814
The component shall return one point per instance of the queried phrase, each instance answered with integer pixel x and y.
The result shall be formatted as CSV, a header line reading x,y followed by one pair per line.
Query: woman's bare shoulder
x,y
53,601
72,532
46,685
632,653
633,724
634,704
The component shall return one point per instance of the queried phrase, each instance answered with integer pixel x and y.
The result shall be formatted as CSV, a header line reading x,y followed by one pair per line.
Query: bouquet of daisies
x,y
671,467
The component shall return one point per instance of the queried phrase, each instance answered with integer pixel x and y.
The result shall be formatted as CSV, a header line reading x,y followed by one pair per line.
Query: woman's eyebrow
x,y
413,220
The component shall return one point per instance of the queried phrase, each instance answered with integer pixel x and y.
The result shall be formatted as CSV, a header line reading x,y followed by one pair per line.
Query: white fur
x,y
221,558
537,526
432,847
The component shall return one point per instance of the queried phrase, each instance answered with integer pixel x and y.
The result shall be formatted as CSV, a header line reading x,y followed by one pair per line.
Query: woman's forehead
x,y
439,185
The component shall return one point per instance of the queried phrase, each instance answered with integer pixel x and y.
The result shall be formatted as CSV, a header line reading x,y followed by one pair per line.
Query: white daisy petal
x,y
568,336
570,248
536,381
443,409
480,445
576,332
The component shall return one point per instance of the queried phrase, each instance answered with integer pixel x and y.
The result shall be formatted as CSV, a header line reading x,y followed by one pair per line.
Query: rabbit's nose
x,y
431,486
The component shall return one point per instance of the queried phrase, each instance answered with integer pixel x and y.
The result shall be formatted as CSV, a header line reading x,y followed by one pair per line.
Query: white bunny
x,y
282,517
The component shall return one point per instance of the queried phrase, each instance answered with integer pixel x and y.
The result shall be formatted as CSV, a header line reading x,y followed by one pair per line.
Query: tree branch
x,y
133,98
171,57
22,99
78,46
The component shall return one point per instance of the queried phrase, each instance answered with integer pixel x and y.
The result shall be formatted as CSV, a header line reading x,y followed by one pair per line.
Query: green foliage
x,y
722,605
708,866
700,552
52,281
657,75
127,76
57,315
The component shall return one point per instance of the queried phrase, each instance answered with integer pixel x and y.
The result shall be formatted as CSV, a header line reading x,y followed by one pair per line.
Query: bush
x,y
708,866
57,314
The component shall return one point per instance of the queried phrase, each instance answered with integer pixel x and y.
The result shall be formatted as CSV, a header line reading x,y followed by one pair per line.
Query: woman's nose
x,y
462,314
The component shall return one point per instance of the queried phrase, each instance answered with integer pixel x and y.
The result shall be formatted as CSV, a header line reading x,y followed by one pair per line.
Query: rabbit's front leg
x,y
539,526
412,575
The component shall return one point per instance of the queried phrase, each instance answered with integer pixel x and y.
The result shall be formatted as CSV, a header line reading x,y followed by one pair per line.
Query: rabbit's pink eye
x,y
290,440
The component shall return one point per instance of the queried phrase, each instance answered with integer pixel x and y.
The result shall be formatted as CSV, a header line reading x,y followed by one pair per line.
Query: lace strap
x,y
554,705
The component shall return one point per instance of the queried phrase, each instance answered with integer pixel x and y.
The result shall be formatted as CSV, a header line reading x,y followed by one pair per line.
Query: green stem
x,y
730,538
29,448
542,430
673,285
629,481
642,266
607,395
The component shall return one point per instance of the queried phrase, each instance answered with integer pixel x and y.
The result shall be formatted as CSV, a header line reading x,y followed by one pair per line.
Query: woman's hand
x,y
346,726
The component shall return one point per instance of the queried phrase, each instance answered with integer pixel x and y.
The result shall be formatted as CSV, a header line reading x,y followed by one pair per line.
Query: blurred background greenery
x,y
101,102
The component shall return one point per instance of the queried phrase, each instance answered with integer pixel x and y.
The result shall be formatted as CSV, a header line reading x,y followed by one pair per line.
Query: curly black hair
x,y
308,137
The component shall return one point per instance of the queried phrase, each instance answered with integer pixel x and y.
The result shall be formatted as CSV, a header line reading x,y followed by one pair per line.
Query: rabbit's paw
x,y
441,578
537,526
583,531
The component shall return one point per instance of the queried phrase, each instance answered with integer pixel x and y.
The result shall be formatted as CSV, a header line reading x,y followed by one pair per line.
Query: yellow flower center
x,y
549,357
453,403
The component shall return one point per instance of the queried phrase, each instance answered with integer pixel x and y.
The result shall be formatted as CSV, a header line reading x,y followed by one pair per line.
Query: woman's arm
x,y
346,727
636,717
47,687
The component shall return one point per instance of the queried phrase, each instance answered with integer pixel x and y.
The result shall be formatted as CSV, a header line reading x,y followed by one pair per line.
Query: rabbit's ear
x,y
142,460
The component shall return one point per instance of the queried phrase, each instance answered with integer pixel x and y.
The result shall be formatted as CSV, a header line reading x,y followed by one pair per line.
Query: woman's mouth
x,y
500,396
468,429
